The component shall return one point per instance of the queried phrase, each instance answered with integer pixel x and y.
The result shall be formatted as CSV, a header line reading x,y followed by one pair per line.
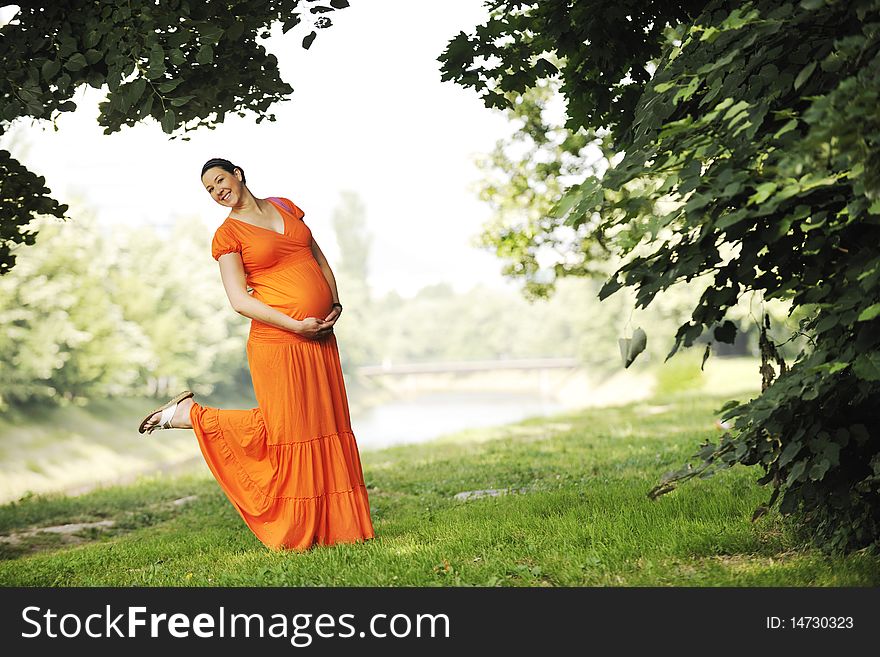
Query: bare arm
x,y
232,273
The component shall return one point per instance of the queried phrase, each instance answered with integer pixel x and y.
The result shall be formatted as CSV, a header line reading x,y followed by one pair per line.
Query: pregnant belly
x,y
299,290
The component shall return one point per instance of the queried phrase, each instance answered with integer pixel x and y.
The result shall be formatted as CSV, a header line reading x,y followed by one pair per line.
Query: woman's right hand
x,y
314,328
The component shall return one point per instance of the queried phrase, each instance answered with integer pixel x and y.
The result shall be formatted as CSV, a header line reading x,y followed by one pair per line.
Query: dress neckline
x,y
271,230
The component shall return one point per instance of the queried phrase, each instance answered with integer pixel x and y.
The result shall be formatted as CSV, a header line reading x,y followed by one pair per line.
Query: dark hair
x,y
226,165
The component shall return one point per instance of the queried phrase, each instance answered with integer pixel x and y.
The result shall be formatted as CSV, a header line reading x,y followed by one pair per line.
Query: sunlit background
x,y
123,305
368,114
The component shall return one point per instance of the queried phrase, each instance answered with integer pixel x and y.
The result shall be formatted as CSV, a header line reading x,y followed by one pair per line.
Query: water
x,y
430,415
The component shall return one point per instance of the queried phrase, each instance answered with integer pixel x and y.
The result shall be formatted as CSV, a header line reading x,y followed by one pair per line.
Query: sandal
x,y
168,410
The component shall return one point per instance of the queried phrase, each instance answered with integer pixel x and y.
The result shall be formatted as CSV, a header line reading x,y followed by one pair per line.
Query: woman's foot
x,y
180,419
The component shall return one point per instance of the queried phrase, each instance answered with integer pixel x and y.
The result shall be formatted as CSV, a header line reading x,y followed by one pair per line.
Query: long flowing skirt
x,y
291,466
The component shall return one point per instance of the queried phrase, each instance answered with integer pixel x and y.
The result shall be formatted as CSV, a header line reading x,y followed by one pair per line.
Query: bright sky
x,y
368,114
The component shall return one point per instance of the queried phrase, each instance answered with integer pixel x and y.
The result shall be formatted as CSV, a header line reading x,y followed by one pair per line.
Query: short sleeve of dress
x,y
297,212
224,242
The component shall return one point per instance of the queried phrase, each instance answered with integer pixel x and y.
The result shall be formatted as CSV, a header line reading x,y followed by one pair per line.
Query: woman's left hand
x,y
331,319
335,312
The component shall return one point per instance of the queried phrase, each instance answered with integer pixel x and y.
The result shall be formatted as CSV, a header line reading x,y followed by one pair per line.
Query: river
x,y
431,414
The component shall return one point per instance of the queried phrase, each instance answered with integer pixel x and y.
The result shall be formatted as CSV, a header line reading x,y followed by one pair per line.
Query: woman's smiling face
x,y
224,187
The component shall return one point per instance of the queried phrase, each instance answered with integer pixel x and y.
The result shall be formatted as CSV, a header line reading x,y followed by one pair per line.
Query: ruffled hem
x,y
281,506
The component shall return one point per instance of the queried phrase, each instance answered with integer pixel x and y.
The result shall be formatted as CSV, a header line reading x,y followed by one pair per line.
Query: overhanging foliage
x,y
185,64
751,155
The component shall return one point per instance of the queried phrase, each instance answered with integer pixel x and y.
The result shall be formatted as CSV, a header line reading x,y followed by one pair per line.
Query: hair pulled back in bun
x,y
226,165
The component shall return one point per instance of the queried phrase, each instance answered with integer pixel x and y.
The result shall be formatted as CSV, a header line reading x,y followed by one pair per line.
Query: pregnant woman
x,y
291,466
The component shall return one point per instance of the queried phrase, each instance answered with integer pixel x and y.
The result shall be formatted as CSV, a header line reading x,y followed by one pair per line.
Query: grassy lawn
x,y
576,515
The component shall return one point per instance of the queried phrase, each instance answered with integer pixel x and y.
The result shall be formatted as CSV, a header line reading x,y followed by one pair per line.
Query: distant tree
x,y
185,64
169,289
62,337
523,178
357,329
353,238
90,312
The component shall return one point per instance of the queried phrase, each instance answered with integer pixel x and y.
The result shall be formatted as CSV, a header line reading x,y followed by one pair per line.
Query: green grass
x,y
580,517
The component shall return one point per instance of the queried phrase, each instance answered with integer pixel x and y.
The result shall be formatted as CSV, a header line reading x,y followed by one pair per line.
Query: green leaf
x,y
832,449
93,56
611,286
205,54
710,34
168,121
869,313
819,469
177,39
209,33
737,108
566,203
95,79
790,125
307,40
726,332
706,355
339,4
156,63
235,31
182,100
135,91
836,366
146,107
731,219
723,105
543,68
796,471
50,69
157,56
805,74
91,39
762,193
791,450
639,342
697,202
66,45
827,322
77,62
688,90
867,366
169,85
632,347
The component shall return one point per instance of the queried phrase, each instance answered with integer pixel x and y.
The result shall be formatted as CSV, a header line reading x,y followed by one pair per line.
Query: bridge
x,y
548,375
452,367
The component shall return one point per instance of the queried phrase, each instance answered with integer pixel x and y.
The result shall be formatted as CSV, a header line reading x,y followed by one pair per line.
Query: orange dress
x,y
291,466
